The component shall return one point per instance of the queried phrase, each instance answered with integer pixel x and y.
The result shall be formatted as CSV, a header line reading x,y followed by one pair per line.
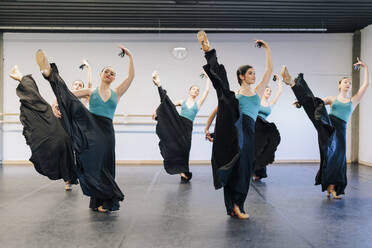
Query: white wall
x,y
365,122
323,58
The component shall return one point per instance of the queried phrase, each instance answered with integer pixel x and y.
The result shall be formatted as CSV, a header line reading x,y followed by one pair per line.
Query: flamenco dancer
x,y
331,127
51,147
92,131
233,143
267,137
175,130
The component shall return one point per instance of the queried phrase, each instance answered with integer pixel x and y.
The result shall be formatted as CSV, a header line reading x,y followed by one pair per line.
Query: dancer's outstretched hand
x,y
56,111
208,136
125,50
154,115
85,62
296,104
360,63
262,42
203,74
279,81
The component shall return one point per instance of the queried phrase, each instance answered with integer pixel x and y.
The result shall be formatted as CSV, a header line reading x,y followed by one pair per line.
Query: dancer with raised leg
x,y
331,127
175,130
233,143
267,137
92,130
51,147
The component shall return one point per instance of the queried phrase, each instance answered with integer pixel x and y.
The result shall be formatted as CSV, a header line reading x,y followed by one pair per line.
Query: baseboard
x,y
365,163
17,162
303,161
160,162
118,162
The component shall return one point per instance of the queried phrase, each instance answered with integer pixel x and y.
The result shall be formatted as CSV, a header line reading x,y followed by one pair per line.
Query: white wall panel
x,y
323,58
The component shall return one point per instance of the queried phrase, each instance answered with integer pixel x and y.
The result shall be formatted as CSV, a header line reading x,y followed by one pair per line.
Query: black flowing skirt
x,y
331,138
93,139
175,133
267,139
232,153
51,147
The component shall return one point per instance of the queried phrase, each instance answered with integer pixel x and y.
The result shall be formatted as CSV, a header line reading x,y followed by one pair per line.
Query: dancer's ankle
x,y
102,210
238,213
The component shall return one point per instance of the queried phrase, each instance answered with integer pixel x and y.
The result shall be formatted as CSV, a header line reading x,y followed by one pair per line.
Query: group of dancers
x,y
74,139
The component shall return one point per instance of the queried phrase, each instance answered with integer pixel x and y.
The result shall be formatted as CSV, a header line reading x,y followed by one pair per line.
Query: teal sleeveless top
x,y
98,107
187,112
249,105
264,112
341,110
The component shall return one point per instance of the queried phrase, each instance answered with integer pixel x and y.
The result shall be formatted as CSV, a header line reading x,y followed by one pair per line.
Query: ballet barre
x,y
116,115
119,123
9,114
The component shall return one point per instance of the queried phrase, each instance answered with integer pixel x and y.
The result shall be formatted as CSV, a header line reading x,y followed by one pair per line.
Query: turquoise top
x,y
264,112
98,107
341,110
187,112
249,105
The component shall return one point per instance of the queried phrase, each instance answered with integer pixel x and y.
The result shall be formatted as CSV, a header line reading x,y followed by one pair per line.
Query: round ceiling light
x,y
179,53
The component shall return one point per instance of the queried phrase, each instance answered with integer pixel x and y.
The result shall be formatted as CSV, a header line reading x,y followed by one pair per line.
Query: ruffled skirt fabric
x,y
175,133
51,147
267,139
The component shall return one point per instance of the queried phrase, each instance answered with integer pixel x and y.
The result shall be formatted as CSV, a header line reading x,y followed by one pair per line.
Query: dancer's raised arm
x,y
123,87
260,88
84,92
362,90
206,91
279,91
89,69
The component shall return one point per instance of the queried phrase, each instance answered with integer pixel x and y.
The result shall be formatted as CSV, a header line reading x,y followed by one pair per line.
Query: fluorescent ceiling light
x,y
51,28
